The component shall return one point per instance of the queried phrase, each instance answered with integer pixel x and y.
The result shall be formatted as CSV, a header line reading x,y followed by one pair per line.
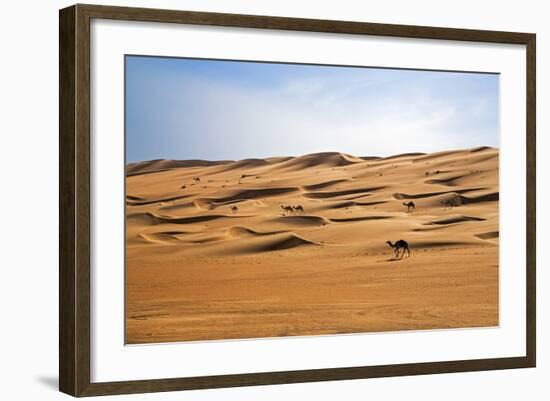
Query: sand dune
x,y
302,221
211,254
245,164
359,218
243,231
431,194
140,201
490,197
402,155
455,219
139,219
153,166
162,237
325,184
450,181
319,160
275,243
335,194
481,149
488,235
349,204
192,219
256,194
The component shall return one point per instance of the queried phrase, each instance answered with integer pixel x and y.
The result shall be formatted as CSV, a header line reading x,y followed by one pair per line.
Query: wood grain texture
x,y
67,293
301,376
74,203
531,178
82,189
301,24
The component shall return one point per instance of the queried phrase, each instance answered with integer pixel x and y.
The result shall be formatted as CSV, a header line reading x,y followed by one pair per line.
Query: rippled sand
x,y
197,269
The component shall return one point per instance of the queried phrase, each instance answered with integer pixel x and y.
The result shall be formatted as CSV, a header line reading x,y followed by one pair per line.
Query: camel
x,y
196,179
401,244
448,204
411,207
298,209
287,210
234,209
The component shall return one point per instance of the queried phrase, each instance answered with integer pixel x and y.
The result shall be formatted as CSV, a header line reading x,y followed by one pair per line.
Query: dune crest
x,y
319,160
277,243
154,166
456,219
296,245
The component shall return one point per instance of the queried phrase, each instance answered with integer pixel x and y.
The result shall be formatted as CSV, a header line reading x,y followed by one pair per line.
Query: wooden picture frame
x,y
74,203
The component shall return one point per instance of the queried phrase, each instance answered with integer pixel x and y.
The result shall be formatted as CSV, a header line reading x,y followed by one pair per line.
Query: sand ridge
x,y
200,269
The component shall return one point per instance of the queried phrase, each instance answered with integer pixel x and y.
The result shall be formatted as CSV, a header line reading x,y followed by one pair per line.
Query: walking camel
x,y
287,210
234,209
401,244
411,207
298,209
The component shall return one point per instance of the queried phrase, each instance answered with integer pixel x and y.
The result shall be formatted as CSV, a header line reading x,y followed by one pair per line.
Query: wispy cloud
x,y
211,113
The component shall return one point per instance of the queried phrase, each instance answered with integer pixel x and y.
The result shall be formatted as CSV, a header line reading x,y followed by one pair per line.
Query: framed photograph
x,y
249,200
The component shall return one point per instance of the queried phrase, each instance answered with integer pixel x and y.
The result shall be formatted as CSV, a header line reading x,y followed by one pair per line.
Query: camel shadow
x,y
389,260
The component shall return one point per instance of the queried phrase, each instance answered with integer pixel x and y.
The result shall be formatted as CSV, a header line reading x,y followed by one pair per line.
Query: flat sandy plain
x,y
198,270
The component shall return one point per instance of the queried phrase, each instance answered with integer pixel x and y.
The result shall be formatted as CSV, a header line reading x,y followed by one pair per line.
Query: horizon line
x,y
402,154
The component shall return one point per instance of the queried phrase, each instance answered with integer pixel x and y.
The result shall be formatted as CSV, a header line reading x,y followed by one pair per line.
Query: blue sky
x,y
229,110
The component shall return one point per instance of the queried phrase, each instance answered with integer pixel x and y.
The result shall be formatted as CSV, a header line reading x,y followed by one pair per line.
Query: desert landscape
x,y
294,246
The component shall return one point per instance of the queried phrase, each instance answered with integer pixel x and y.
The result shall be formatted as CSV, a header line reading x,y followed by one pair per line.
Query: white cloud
x,y
223,120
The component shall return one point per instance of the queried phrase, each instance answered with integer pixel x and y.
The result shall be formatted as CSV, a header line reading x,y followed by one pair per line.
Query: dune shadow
x,y
335,194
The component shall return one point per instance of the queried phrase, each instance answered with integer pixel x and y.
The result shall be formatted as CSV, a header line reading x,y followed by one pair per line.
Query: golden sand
x,y
197,269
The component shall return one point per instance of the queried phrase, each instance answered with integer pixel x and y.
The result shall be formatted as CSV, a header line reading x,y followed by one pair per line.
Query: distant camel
x,y
410,206
196,179
298,209
234,209
401,244
287,209
448,204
